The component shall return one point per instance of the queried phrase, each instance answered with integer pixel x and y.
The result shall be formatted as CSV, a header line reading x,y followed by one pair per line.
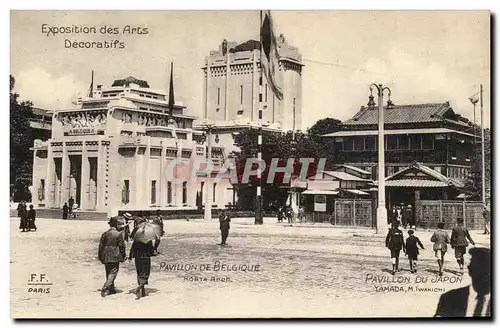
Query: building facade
x,y
231,86
429,142
119,149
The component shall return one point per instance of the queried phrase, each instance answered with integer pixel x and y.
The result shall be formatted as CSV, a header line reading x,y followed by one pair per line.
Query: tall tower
x,y
231,86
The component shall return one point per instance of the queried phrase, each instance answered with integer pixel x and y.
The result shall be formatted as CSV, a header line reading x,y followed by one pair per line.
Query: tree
x,y
474,183
281,146
324,146
21,139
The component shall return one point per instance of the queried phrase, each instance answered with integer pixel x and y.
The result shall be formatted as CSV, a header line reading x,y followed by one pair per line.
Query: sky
x,y
423,56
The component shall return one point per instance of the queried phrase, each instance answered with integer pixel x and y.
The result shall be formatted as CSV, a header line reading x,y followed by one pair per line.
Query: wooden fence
x,y
347,212
447,211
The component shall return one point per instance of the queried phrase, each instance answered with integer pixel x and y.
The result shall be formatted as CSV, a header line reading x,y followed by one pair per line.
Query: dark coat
x,y
412,244
395,239
459,236
21,210
32,214
111,247
224,222
141,250
65,211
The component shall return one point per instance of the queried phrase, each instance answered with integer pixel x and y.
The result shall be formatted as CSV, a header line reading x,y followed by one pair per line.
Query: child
x,y
440,239
395,241
412,244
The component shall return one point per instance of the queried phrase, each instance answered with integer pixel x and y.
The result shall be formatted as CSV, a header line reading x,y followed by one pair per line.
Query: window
x,y
348,144
218,96
213,192
201,191
427,141
415,142
184,192
391,142
169,192
403,142
265,90
371,143
126,192
241,94
41,190
153,192
358,143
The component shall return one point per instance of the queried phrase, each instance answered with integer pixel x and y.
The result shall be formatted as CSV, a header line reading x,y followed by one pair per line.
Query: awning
x,y
356,192
320,192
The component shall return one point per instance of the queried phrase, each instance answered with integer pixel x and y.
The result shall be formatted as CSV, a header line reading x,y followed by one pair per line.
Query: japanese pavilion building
x,y
428,149
111,153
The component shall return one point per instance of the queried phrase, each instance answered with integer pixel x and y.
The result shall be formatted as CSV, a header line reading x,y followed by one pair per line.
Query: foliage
x,y
282,146
21,139
474,183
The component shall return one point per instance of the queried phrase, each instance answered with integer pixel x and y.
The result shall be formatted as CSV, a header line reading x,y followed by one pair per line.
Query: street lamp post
x,y
207,127
381,209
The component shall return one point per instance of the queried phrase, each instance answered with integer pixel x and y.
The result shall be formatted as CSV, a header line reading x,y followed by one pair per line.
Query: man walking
x,y
395,242
224,227
111,253
486,216
440,239
459,237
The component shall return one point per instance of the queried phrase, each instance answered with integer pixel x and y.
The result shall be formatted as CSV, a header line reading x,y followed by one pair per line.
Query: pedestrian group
x,y
459,241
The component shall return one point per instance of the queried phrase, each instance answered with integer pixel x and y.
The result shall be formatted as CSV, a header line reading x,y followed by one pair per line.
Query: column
x,y
135,189
49,190
162,197
65,170
100,177
35,183
147,177
84,178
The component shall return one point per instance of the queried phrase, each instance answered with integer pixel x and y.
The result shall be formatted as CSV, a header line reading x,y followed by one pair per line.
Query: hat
x,y
127,216
113,222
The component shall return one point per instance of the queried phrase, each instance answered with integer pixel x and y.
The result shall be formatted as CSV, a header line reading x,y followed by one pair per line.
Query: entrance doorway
x,y
75,178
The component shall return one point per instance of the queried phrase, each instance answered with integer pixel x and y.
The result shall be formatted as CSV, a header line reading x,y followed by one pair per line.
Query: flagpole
x,y
258,200
482,148
91,94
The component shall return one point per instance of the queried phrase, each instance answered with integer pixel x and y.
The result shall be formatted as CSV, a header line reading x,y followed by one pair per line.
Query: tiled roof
x,y
416,183
417,113
344,176
357,169
441,180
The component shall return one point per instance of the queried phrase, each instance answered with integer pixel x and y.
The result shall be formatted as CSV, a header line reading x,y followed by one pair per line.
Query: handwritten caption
x,y
73,35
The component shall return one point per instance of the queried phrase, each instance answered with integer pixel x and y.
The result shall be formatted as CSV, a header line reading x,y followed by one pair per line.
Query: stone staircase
x,y
54,213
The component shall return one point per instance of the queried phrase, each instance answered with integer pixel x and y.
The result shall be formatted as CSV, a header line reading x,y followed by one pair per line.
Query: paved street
x,y
290,272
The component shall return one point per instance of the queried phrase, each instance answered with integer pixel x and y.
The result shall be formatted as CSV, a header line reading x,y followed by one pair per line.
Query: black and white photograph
x,y
247,164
